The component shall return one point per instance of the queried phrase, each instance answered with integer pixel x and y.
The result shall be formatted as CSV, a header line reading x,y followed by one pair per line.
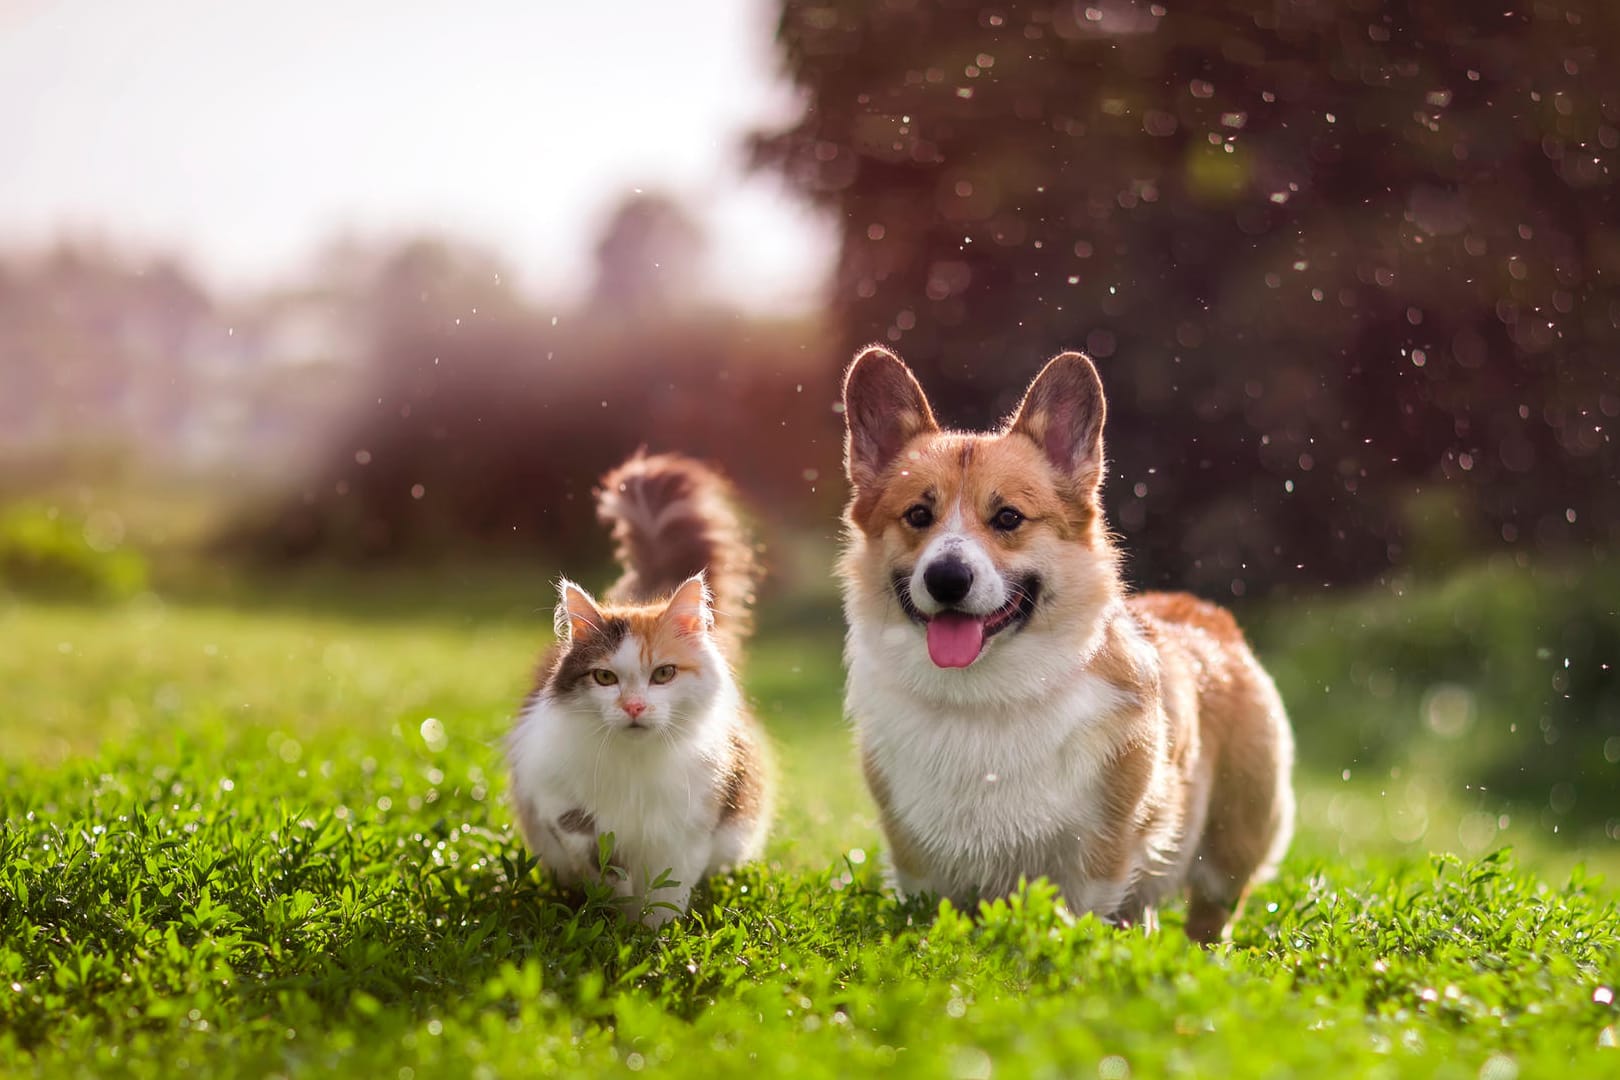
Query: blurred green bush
x,y
1500,677
45,552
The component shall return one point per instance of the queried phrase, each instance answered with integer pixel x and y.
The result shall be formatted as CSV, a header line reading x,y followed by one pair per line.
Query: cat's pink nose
x,y
633,708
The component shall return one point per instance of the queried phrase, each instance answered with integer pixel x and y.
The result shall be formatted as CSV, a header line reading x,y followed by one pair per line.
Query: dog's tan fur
x,y
1188,750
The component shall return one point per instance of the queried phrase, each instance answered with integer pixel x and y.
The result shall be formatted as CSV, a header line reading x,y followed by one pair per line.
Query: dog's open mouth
x,y
956,638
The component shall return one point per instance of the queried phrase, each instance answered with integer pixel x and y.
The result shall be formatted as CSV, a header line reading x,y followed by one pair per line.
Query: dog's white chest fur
x,y
988,791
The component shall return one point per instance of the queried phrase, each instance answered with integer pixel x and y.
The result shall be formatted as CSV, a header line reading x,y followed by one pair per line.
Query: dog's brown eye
x,y
1007,519
918,517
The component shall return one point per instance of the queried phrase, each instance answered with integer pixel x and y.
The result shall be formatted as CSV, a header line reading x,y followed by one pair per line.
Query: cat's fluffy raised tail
x,y
671,518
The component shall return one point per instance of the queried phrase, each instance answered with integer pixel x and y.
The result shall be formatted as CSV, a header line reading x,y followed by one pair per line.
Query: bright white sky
x,y
243,133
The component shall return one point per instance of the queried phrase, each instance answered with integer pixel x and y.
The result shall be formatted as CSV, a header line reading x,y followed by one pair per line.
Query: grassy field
x,y
263,833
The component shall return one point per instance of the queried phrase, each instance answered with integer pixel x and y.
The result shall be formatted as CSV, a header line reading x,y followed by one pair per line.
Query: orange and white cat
x,y
637,726
1018,714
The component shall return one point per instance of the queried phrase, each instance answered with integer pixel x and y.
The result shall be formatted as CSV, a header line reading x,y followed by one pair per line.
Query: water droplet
x,y
1113,1067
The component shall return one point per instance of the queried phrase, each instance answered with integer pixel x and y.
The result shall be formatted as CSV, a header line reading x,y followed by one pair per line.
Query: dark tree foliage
x,y
1351,270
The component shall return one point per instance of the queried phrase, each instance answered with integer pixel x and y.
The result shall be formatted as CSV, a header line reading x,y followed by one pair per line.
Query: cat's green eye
x,y
662,674
604,677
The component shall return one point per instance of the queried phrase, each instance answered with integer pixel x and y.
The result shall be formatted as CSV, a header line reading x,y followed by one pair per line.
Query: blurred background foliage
x,y
484,422
1349,270
1334,257
44,552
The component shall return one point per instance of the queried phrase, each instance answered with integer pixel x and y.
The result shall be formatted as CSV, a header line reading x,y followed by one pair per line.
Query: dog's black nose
x,y
948,580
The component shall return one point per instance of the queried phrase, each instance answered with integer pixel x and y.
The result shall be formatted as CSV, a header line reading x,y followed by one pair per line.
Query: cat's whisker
x,y
596,767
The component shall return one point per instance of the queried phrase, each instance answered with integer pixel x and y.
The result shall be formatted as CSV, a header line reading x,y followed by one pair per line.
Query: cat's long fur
x,y
671,518
687,792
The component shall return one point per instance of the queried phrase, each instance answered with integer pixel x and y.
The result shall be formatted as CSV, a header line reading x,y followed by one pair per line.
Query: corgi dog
x,y
1018,713
637,727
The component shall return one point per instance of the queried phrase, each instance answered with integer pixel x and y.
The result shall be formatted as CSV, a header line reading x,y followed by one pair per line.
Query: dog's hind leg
x,y
1246,832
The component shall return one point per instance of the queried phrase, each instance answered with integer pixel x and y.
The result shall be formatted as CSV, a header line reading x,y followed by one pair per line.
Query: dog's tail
x,y
673,517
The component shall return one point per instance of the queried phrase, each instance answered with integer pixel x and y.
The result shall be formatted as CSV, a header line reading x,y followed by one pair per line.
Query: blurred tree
x,y
1330,255
647,257
96,348
487,421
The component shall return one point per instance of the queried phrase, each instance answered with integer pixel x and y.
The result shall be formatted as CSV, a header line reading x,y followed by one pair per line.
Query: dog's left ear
x,y
1063,413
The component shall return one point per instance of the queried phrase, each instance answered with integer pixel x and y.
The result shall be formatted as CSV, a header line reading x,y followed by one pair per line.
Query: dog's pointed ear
x,y
1063,413
884,408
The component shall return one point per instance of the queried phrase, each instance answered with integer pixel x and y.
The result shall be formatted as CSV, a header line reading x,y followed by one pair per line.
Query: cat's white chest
x,y
651,795
647,814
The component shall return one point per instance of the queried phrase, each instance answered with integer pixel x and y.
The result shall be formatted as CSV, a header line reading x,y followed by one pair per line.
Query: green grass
x,y
1499,678
227,846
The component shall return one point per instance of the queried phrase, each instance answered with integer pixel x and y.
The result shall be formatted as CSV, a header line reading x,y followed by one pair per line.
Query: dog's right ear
x,y
1063,413
884,408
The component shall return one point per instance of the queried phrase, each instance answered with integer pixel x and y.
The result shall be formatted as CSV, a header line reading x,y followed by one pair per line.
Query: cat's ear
x,y
577,614
689,608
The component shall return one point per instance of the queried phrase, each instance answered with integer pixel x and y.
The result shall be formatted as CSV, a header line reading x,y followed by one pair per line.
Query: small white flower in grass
x,y
1603,996
1499,1067
434,735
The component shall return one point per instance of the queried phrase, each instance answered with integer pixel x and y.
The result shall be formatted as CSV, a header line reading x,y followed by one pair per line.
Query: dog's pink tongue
x,y
955,639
